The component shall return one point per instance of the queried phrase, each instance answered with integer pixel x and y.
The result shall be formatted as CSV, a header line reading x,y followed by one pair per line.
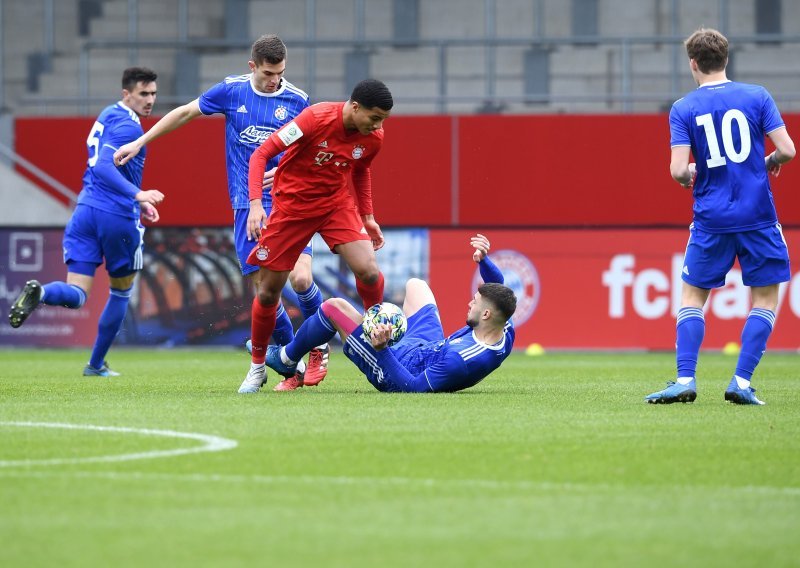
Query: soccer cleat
x,y
104,371
249,346
25,303
742,396
255,379
317,365
290,384
675,392
274,362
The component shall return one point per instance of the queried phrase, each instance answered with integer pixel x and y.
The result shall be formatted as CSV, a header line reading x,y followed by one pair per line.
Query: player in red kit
x,y
325,146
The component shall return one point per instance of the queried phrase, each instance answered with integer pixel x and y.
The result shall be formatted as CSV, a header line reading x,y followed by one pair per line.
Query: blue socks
x,y
284,331
63,294
756,332
310,301
316,330
691,328
109,325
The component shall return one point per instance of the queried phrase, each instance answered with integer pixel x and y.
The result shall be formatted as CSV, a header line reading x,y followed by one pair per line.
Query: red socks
x,y
371,294
261,327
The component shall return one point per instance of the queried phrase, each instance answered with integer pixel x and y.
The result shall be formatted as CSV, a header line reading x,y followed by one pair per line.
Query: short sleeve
x,y
771,116
213,100
678,129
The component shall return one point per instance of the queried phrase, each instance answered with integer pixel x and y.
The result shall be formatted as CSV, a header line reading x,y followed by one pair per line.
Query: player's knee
x,y
300,280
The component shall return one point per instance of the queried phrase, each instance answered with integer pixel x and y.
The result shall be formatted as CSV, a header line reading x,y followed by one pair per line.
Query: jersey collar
x,y
714,83
499,346
278,91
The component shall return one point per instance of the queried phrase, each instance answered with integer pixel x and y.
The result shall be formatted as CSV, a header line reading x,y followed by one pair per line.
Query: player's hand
x,y
772,166
256,220
481,245
269,177
374,232
692,167
380,336
126,153
151,196
150,213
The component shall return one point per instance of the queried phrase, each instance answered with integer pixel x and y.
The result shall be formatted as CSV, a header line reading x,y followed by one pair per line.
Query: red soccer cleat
x,y
317,366
290,384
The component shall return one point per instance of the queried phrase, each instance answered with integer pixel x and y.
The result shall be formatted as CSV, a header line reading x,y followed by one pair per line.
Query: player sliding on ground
x,y
423,360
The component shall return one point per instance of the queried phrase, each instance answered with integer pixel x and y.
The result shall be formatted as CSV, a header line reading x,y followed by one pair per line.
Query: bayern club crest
x,y
358,151
262,253
281,113
521,276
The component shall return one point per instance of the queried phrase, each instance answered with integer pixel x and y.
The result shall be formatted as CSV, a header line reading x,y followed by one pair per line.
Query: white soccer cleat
x,y
255,379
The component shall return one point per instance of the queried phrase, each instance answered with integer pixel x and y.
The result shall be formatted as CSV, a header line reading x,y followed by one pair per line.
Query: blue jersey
x,y
250,117
724,123
106,186
441,364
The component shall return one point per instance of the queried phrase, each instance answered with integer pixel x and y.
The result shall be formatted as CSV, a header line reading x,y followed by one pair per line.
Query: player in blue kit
x,y
723,124
424,360
106,222
254,105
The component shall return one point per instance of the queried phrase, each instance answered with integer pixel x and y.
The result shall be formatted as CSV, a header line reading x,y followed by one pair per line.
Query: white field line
x,y
413,482
210,444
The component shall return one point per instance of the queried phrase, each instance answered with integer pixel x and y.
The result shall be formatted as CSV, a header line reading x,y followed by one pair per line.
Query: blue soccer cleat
x,y
746,395
249,346
274,362
255,379
104,371
675,392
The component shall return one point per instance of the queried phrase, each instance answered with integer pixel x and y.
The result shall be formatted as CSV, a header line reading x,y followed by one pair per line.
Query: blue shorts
x,y
424,327
243,246
762,254
93,235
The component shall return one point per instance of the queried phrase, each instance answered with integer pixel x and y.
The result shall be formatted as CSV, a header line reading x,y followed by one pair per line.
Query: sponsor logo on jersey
x,y
521,276
281,113
358,151
255,134
290,133
262,253
241,109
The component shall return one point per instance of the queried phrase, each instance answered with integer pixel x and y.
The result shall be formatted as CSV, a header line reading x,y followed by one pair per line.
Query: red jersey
x,y
320,155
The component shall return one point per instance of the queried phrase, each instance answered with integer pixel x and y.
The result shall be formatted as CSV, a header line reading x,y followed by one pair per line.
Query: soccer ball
x,y
385,313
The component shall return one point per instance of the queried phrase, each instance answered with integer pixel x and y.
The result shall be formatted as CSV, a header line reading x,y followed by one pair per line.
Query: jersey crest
x,y
358,151
281,113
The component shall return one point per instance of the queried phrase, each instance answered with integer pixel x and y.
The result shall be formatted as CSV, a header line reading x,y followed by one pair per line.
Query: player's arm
x,y
107,171
679,166
488,269
362,183
784,151
173,120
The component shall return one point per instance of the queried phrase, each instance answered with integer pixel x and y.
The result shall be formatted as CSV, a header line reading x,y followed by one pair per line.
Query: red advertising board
x,y
600,289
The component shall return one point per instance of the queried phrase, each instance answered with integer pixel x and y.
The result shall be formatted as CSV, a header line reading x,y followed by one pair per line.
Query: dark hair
x,y
268,48
501,297
133,75
709,49
371,93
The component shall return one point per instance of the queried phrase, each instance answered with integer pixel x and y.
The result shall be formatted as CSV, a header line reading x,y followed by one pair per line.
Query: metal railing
x,y
624,95
41,176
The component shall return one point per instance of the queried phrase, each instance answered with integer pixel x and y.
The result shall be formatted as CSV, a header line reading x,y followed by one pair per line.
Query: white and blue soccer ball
x,y
385,313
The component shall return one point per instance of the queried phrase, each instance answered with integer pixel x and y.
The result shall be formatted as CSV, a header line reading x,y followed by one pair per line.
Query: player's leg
x,y
122,241
418,294
310,299
764,258
345,235
284,331
755,333
360,257
708,259
82,253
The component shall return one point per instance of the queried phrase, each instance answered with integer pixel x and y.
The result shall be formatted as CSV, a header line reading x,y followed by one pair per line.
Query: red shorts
x,y
286,236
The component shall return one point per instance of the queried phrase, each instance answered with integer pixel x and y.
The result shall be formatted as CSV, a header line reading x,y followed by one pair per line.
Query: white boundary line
x,y
210,444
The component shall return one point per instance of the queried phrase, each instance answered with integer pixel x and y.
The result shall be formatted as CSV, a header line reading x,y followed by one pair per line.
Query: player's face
x,y
367,120
141,98
475,310
267,76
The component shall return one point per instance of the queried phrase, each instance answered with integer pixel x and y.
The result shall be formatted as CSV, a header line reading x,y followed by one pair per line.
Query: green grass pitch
x,y
552,461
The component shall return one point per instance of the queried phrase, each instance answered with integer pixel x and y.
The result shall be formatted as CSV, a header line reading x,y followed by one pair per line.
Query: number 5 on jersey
x,y
93,141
